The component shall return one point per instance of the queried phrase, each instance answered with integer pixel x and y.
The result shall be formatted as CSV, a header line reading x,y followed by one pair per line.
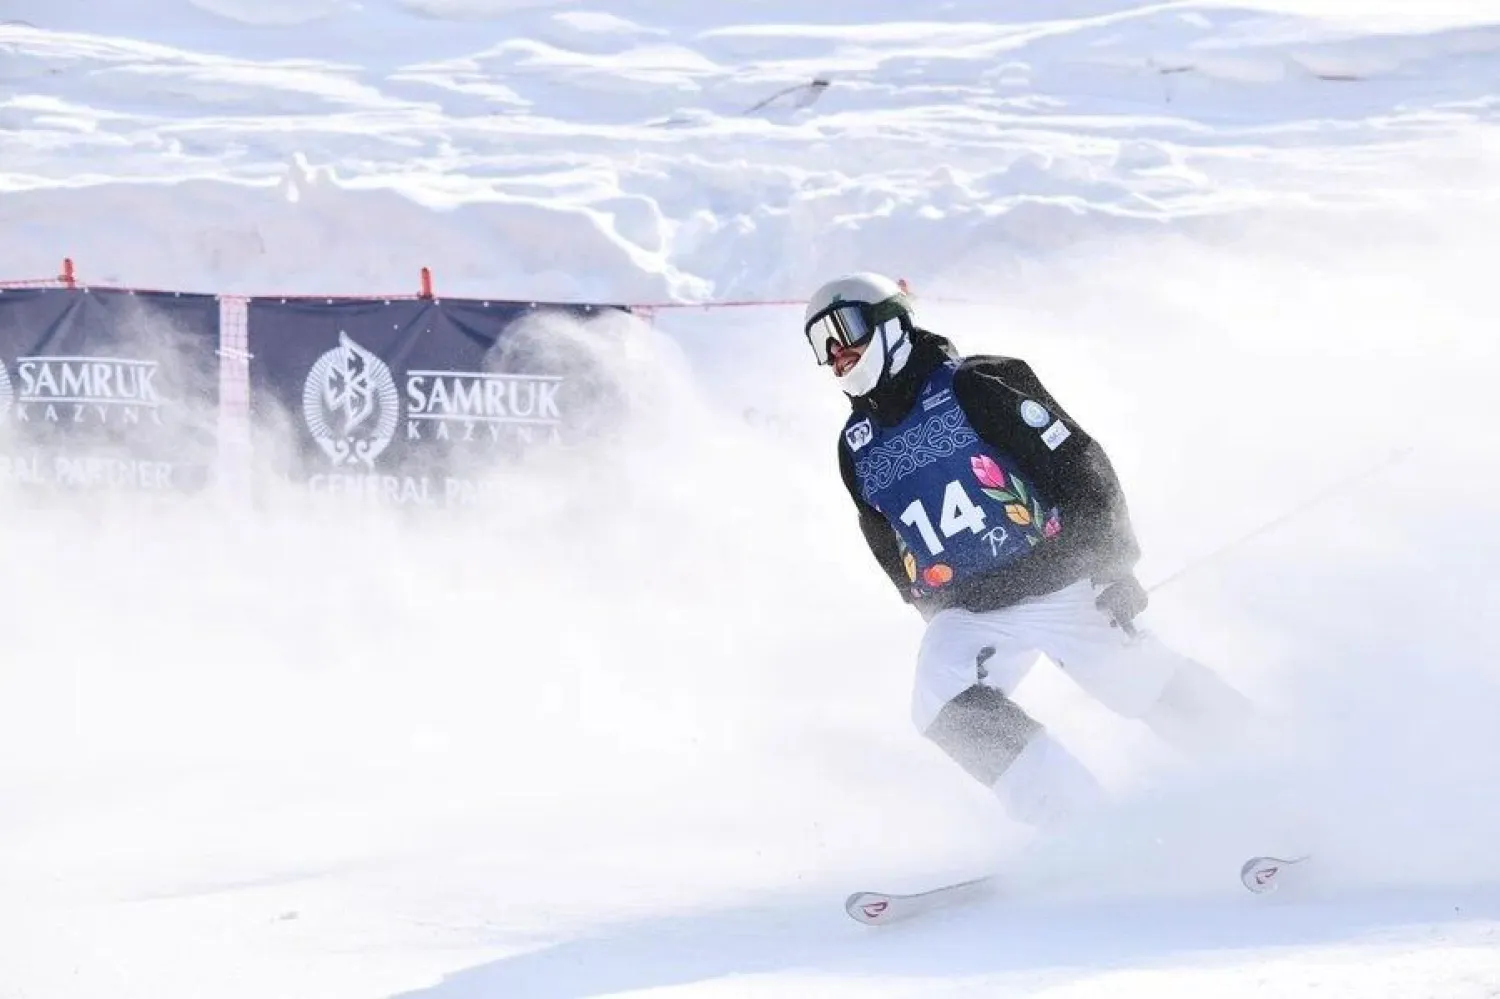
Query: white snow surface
x,y
637,727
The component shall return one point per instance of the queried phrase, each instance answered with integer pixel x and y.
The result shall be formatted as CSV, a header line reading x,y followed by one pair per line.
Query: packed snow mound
x,y
478,10
801,142
278,13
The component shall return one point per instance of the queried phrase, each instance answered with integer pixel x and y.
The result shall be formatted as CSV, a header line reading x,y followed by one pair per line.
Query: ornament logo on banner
x,y
350,404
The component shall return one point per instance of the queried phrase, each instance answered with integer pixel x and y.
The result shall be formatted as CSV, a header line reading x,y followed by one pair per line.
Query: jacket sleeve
x,y
879,534
1064,462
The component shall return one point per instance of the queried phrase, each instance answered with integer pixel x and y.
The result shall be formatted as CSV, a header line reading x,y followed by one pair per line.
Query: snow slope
x,y
551,749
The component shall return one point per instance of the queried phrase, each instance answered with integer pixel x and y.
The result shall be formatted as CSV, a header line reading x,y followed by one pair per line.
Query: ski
x,y
877,908
1261,875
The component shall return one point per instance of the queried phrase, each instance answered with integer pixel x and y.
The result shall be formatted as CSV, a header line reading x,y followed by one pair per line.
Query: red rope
x,y
69,279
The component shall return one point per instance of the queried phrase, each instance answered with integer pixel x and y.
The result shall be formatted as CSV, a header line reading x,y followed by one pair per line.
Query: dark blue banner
x,y
108,390
410,402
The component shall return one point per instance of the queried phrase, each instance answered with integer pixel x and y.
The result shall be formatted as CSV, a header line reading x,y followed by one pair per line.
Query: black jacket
x,y
1097,541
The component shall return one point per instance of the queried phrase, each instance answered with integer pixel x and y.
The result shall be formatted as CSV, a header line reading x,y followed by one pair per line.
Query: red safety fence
x,y
67,277
234,346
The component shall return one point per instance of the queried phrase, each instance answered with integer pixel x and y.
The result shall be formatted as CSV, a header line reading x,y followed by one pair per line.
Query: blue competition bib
x,y
959,508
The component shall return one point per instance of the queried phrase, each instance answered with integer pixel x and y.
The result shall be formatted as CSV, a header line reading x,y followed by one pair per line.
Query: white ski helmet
x,y
857,309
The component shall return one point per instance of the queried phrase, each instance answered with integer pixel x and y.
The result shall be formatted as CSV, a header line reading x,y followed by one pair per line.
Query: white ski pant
x,y
1124,674
970,664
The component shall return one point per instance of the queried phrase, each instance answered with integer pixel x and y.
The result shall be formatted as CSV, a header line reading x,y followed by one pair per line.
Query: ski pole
x,y
1292,514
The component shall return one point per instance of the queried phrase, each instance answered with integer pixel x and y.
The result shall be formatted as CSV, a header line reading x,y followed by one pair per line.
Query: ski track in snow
x,y
544,751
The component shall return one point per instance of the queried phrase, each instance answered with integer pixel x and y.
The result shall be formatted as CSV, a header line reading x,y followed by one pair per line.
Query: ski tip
x,y
868,907
1261,875
875,908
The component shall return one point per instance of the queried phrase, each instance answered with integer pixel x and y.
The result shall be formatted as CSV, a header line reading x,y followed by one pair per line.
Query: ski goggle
x,y
847,324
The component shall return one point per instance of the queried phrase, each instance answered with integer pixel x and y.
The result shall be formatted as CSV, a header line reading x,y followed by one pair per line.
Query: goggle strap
x,y
892,308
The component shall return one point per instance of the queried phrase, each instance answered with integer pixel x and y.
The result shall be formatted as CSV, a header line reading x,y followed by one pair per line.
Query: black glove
x,y
1122,599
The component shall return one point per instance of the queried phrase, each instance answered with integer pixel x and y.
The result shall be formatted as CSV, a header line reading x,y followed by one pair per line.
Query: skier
x,y
1003,523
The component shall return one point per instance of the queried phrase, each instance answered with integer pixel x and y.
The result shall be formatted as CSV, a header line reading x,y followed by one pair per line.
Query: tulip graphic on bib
x,y
937,575
987,471
1011,493
995,484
